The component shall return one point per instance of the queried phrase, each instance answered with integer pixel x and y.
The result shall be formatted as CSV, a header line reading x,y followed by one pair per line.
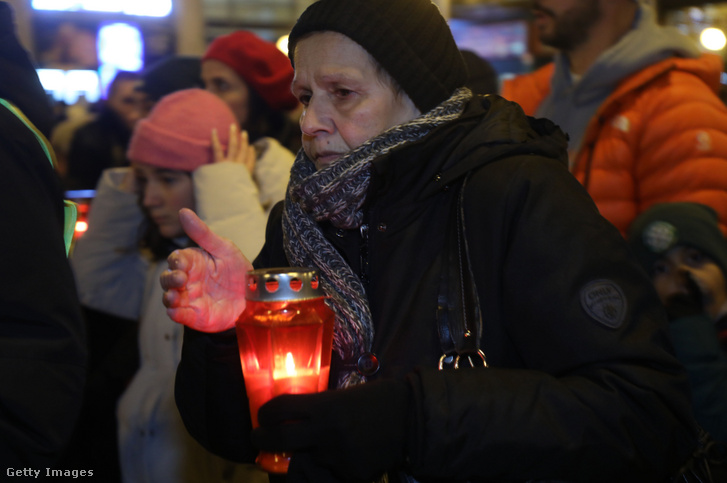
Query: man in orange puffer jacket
x,y
638,101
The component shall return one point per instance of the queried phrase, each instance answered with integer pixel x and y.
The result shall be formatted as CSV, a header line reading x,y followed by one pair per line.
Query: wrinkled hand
x,y
204,288
356,433
239,151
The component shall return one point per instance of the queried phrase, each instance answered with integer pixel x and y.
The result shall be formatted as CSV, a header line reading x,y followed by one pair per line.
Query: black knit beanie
x,y
667,225
171,74
409,38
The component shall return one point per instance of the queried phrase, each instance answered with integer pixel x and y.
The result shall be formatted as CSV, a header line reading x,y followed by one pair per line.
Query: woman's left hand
x,y
204,287
239,150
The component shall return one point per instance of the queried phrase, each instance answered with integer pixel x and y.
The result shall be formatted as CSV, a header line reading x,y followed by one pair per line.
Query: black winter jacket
x,y
582,384
42,343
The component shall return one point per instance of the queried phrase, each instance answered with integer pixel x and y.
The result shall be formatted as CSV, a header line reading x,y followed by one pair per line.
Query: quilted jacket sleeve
x,y
661,137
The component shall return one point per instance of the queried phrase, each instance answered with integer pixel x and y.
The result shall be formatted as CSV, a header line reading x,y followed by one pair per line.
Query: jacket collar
x,y
493,128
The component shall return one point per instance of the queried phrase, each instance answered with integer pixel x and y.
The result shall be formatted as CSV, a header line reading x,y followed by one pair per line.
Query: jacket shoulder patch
x,y
604,302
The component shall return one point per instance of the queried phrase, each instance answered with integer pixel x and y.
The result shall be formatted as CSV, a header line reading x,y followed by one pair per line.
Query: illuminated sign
x,y
145,8
69,85
120,47
120,44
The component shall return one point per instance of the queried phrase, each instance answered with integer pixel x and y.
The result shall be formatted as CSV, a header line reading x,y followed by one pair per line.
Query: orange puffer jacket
x,y
660,136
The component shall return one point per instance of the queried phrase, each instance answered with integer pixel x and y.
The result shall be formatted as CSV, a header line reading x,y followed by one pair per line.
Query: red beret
x,y
259,63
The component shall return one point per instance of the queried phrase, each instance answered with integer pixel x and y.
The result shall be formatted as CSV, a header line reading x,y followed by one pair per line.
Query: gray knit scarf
x,y
337,193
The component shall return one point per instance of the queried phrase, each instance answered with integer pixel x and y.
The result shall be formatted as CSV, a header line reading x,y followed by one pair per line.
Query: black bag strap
x,y
459,319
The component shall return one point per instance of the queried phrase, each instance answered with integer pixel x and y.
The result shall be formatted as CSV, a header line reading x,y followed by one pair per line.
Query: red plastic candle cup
x,y
285,336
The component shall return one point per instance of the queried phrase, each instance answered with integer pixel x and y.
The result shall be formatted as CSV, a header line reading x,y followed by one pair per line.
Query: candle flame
x,y
290,364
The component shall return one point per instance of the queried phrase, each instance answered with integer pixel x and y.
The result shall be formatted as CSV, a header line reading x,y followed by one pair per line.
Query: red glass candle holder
x,y
285,336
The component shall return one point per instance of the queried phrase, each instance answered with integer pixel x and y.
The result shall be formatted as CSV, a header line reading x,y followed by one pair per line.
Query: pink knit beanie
x,y
177,134
259,63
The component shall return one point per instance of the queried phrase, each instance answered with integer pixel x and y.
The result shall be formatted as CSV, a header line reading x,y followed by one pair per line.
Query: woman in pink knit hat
x,y
188,153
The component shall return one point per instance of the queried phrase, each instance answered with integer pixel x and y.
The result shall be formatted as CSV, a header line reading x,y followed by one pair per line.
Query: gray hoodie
x,y
572,104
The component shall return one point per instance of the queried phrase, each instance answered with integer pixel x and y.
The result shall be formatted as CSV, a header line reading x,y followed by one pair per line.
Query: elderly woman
x,y
422,207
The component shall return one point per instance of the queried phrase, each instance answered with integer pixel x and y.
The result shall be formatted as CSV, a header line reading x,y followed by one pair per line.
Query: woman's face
x,y
224,82
163,192
127,102
346,100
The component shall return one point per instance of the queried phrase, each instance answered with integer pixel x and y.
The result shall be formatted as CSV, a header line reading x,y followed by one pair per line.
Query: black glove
x,y
685,304
357,433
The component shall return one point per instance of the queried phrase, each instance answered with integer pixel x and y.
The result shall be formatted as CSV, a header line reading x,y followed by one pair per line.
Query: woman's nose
x,y
314,119
682,276
151,196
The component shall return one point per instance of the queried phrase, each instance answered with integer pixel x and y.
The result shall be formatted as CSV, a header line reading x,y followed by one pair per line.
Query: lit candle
x,y
284,337
292,380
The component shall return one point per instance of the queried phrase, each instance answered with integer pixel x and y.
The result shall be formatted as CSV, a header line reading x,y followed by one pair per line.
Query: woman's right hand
x,y
204,288
125,179
239,150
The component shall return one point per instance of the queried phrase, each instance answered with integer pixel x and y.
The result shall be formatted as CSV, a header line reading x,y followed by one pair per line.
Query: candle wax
x,y
305,381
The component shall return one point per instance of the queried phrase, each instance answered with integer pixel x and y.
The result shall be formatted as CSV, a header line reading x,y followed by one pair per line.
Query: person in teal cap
x,y
681,246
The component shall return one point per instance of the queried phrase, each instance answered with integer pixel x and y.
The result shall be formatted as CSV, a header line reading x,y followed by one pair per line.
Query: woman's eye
x,y
695,256
304,99
344,92
659,268
220,86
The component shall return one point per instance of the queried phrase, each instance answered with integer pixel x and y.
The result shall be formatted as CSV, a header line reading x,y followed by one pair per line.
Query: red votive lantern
x,y
285,336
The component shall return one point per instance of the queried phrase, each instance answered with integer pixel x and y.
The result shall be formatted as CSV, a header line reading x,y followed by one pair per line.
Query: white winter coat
x,y
114,277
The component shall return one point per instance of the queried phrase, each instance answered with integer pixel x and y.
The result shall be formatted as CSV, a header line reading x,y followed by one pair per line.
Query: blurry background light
x,y
147,8
120,44
120,47
84,82
101,5
54,4
53,80
158,8
713,39
282,44
68,86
